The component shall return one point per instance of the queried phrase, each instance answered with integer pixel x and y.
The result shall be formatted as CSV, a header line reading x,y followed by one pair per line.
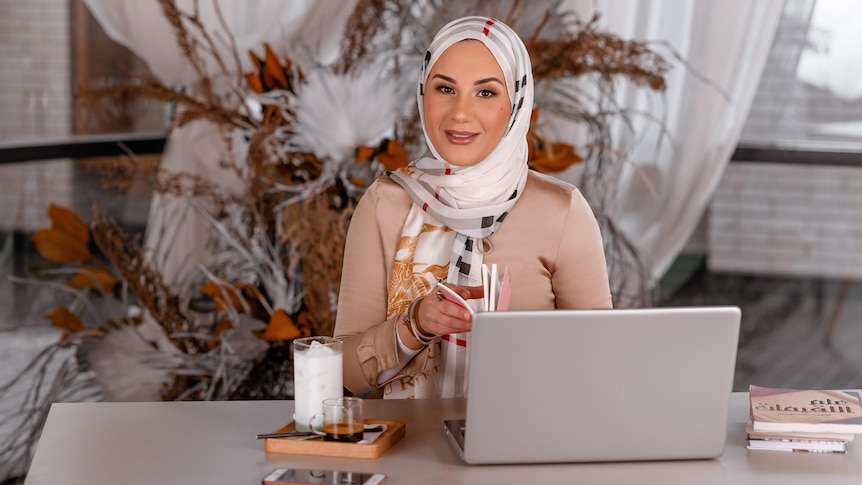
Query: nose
x,y
462,111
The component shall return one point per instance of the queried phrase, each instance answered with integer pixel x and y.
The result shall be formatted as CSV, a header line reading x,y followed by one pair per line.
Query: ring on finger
x,y
439,295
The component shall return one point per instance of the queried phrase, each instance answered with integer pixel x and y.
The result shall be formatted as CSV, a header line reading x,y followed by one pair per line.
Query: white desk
x,y
214,443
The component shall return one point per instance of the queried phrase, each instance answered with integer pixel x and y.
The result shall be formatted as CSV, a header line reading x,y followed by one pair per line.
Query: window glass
x,y
810,94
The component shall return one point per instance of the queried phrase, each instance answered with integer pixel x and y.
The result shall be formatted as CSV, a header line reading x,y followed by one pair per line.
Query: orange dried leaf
x,y
357,182
70,222
281,327
92,278
64,319
364,153
556,158
564,153
273,67
256,63
59,246
269,82
222,327
394,156
217,292
254,82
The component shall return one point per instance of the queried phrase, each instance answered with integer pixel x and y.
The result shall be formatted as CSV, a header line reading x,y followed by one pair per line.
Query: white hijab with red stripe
x,y
455,207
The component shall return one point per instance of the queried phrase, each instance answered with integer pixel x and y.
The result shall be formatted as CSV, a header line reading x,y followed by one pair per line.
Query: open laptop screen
x,y
600,385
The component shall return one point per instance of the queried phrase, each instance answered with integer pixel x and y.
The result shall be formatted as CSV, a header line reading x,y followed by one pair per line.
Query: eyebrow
x,y
480,81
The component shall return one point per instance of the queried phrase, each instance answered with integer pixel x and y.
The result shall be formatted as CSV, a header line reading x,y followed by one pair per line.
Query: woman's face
x,y
466,103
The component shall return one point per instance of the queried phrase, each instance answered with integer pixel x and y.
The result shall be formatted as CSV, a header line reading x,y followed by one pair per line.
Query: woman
x,y
471,201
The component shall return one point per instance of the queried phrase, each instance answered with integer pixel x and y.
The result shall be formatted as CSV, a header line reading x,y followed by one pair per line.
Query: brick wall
x,y
799,220
35,69
35,102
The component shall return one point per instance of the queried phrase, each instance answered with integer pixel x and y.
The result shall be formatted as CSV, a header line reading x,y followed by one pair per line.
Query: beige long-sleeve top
x,y
550,241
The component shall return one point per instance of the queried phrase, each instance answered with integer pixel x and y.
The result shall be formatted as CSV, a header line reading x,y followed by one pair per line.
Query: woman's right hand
x,y
440,316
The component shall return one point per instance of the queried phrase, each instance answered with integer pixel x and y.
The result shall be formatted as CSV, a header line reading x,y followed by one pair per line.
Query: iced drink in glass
x,y
317,375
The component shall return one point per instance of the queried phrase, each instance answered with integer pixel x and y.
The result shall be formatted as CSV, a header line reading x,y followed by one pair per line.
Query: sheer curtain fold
x,y
726,43
299,27
141,26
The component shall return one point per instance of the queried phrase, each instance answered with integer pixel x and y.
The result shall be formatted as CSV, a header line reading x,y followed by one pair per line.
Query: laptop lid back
x,y
600,385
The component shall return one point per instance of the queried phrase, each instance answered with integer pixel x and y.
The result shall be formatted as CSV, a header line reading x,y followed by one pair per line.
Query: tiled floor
x,y
785,321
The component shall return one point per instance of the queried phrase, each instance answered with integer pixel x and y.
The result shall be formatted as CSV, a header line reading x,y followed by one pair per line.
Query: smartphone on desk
x,y
281,476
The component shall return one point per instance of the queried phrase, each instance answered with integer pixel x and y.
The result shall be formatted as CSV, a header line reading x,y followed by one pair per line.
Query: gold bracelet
x,y
405,319
421,336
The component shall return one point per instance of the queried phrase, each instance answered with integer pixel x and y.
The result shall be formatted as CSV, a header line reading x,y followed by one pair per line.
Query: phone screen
x,y
300,476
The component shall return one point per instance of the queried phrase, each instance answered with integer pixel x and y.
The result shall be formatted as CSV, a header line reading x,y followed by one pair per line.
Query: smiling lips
x,y
460,137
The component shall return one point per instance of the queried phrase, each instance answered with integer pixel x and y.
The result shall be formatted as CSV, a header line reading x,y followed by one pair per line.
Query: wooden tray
x,y
394,432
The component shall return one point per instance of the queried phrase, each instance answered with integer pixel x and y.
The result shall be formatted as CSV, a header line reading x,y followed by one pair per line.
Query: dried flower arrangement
x,y
277,245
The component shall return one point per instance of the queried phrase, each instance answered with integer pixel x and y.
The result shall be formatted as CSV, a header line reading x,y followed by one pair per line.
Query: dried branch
x,y
146,283
319,229
187,44
364,24
592,51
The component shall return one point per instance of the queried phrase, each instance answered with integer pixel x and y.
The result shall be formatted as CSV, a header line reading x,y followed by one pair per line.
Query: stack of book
x,y
803,420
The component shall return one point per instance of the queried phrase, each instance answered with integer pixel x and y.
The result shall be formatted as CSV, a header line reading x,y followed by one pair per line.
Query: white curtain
x,y
298,24
174,231
727,43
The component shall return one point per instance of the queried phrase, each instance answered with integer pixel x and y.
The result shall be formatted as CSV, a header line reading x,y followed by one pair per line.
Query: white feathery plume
x,y
337,112
127,367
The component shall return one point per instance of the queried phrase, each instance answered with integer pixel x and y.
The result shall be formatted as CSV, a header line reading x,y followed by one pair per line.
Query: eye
x,y
486,93
444,88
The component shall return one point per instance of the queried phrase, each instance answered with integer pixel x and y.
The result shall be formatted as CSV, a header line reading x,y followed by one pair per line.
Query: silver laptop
x,y
598,385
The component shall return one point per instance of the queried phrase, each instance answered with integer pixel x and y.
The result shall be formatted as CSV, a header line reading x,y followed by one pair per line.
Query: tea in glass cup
x,y
342,420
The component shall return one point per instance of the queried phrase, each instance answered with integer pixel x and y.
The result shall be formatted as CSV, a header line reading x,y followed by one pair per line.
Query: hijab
x,y
455,207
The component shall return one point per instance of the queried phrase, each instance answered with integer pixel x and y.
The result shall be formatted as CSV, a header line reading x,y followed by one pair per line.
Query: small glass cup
x,y
342,420
317,375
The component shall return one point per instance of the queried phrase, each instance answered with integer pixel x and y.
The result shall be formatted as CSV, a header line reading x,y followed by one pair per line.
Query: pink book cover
x,y
505,291
775,409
